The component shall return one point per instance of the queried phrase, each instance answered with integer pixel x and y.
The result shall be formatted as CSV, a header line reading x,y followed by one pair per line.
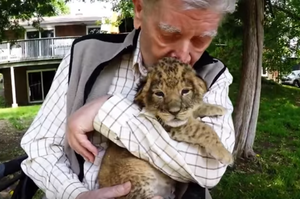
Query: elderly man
x,y
100,74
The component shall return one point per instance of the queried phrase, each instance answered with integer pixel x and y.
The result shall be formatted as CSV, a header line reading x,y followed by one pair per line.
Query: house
x,y
28,66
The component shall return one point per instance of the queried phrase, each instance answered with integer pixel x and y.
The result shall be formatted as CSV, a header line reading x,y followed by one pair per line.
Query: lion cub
x,y
174,94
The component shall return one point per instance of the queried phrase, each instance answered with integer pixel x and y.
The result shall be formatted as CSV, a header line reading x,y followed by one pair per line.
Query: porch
x,y
28,67
34,49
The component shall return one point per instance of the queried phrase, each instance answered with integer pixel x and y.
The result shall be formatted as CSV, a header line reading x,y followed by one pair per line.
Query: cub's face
x,y
171,91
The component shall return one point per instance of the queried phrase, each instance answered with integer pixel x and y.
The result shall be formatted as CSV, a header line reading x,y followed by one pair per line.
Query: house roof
x,y
63,20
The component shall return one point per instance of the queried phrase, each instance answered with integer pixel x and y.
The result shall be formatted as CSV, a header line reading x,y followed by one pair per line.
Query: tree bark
x,y
247,107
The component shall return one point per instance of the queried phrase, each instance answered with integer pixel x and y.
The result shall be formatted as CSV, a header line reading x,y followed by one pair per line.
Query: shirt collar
x,y
137,64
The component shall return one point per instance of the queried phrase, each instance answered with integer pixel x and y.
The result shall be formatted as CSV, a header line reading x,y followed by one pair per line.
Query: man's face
x,y
167,30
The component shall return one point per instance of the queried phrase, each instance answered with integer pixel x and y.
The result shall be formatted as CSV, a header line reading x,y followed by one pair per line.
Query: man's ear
x,y
138,12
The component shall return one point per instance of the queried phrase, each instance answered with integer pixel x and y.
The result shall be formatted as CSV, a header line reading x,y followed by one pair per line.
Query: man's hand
x,y
79,124
109,192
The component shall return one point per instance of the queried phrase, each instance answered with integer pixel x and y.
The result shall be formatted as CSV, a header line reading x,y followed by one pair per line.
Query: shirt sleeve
x,y
43,142
121,121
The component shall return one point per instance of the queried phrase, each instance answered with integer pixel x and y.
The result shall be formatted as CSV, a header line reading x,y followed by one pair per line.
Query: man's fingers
x,y
82,151
89,146
115,191
87,155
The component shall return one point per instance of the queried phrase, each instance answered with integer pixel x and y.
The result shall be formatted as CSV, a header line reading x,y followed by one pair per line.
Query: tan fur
x,y
174,94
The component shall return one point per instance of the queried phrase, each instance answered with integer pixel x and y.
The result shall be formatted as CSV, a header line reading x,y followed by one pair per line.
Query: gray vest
x,y
90,55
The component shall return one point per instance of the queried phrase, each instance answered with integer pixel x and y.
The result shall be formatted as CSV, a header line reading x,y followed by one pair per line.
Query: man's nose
x,y
182,53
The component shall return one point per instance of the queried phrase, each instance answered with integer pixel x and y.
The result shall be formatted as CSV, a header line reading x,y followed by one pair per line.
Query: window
x,y
39,83
33,35
37,48
37,34
47,34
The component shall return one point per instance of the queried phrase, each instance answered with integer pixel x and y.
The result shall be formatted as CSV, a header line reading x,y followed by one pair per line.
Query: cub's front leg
x,y
206,110
197,132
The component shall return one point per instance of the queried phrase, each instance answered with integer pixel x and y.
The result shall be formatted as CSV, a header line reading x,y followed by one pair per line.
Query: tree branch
x,y
275,37
289,13
268,2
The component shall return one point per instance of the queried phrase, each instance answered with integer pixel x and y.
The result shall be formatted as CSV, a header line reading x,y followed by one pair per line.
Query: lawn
x,y
13,123
20,117
276,172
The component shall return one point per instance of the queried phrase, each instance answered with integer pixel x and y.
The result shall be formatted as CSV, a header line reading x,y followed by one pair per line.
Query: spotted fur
x,y
174,94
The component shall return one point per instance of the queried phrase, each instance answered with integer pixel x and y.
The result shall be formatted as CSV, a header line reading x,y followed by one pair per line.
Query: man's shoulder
x,y
109,38
97,47
102,42
94,49
209,68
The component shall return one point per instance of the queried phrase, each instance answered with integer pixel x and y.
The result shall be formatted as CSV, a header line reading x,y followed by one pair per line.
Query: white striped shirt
x,y
48,166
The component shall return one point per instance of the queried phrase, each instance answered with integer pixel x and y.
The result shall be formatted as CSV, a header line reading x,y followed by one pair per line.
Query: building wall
x,y
21,83
70,30
7,86
10,35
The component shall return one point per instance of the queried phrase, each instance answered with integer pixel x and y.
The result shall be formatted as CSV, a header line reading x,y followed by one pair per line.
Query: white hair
x,y
223,6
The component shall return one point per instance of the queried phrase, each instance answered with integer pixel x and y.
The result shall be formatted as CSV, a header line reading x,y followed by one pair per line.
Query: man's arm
x,y
121,121
43,142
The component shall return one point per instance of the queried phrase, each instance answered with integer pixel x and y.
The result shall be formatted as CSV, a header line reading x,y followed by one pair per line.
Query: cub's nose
x,y
174,110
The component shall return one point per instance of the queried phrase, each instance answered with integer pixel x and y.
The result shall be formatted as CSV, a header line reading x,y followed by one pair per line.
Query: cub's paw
x,y
218,110
223,155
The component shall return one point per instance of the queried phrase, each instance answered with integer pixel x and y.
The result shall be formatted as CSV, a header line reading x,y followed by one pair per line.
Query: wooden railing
x,y
35,49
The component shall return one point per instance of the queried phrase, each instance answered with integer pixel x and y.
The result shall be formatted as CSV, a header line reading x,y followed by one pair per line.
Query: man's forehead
x,y
176,29
201,22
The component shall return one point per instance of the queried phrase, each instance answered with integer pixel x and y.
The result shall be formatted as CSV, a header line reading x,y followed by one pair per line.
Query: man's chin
x,y
176,123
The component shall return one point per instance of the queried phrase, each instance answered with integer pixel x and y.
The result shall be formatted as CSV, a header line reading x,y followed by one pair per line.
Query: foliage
x,y
228,44
14,11
124,8
272,174
281,26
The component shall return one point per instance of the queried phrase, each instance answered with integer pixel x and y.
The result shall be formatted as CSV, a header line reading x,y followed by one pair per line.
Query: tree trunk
x,y
247,108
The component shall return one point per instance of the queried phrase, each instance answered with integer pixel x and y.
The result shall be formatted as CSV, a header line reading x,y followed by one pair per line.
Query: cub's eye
x,y
185,91
159,94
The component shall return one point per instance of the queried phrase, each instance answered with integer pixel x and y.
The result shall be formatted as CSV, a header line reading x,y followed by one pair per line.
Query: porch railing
x,y
35,49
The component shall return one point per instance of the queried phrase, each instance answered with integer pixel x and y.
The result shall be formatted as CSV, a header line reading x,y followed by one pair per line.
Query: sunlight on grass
x,y
19,117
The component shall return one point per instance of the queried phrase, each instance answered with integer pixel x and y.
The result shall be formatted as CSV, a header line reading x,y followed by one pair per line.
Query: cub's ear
x,y
199,84
142,90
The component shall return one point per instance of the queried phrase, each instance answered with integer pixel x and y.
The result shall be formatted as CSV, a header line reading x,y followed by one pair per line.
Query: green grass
x,y
18,120
275,174
19,117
